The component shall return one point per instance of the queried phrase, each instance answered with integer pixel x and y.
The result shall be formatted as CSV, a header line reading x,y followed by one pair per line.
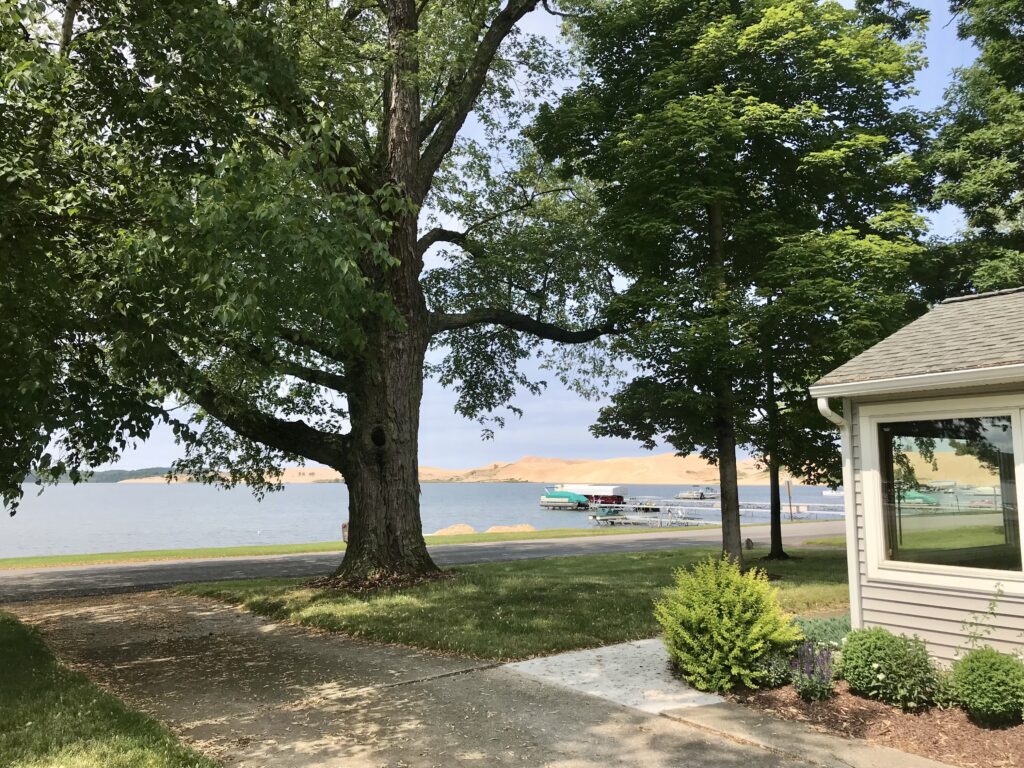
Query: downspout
x,y
849,505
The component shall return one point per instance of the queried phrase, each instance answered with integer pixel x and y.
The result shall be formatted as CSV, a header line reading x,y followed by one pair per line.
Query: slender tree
x,y
237,200
979,153
727,139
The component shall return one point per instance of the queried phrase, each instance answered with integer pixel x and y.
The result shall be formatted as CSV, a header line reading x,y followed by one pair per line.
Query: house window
x,y
949,492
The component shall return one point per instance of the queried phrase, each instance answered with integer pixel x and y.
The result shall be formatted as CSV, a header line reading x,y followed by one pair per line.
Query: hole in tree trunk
x,y
378,437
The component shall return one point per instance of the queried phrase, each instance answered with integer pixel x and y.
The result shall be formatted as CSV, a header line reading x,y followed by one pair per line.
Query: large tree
x,y
737,147
236,200
979,152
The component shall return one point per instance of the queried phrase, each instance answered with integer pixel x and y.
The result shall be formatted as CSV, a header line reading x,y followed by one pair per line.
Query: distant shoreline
x,y
656,469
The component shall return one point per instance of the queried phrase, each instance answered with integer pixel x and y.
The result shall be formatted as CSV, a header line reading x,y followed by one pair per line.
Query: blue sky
x,y
556,423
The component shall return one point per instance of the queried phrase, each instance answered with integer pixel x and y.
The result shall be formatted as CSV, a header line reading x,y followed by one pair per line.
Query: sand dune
x,y
949,466
657,468
154,479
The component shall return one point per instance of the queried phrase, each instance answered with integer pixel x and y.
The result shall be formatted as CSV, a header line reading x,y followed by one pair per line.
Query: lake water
x,y
109,517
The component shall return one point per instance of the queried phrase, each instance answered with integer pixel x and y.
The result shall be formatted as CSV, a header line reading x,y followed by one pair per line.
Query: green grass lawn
x,y
103,558
527,608
52,717
939,538
827,541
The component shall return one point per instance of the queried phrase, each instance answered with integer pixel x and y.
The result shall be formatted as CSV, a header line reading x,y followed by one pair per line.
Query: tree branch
x,y
67,26
443,321
440,235
295,437
326,379
563,14
312,343
443,235
460,98
270,359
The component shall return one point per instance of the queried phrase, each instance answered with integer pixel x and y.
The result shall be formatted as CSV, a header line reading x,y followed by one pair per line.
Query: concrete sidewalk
x,y
253,693
44,583
637,675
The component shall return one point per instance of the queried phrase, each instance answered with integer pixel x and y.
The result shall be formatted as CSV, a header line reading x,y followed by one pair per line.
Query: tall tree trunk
x,y
775,551
381,467
725,432
386,386
725,426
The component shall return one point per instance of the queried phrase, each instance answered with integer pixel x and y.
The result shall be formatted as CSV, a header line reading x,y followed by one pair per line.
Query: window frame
x,y
881,569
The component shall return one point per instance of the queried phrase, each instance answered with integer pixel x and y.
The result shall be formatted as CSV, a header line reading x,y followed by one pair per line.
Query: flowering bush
x,y
892,668
812,672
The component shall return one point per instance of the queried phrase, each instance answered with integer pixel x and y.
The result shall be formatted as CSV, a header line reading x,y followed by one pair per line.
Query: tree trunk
x,y
732,544
775,552
385,535
725,427
386,386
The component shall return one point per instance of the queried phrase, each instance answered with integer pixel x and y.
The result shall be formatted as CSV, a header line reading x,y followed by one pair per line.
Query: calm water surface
x,y
108,517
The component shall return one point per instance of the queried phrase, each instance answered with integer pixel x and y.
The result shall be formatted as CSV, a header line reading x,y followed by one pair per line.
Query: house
x,y
932,422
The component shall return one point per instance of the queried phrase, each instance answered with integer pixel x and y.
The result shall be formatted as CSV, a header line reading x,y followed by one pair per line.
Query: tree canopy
x,y
979,153
220,216
757,179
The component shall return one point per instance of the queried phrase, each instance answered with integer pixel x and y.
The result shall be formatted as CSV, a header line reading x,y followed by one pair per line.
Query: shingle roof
x,y
960,334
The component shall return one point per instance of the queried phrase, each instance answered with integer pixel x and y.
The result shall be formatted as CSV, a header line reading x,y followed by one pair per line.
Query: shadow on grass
x,y
51,716
266,693
517,610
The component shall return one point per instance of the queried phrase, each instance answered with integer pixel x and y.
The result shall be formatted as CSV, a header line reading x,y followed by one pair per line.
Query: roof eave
x,y
924,382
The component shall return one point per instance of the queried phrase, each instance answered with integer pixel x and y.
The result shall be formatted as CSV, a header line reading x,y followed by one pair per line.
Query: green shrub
x,y
776,670
722,625
945,693
990,686
825,632
892,668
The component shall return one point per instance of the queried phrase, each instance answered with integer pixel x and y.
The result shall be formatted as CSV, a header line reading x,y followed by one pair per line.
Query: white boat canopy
x,y
594,490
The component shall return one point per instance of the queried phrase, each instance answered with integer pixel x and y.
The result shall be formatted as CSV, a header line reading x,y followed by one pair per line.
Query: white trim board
x,y
959,578
998,374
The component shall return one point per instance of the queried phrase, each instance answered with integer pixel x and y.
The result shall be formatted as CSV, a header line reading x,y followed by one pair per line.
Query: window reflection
x,y
949,491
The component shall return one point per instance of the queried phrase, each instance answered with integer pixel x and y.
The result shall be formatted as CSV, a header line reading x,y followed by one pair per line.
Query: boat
x,y
917,499
831,492
700,494
558,499
645,504
596,494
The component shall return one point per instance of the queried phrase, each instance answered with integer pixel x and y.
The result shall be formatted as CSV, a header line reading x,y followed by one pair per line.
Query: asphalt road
x,y
40,583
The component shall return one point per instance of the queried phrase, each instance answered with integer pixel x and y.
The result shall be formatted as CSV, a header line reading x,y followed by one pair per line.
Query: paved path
x,y
255,694
637,675
37,583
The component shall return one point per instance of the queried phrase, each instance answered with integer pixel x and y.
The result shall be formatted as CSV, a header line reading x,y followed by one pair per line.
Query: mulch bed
x,y
946,735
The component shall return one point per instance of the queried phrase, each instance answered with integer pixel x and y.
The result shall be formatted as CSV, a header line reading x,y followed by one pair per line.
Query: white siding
x,y
936,615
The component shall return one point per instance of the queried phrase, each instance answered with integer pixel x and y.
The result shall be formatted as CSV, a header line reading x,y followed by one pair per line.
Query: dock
x,y
676,513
